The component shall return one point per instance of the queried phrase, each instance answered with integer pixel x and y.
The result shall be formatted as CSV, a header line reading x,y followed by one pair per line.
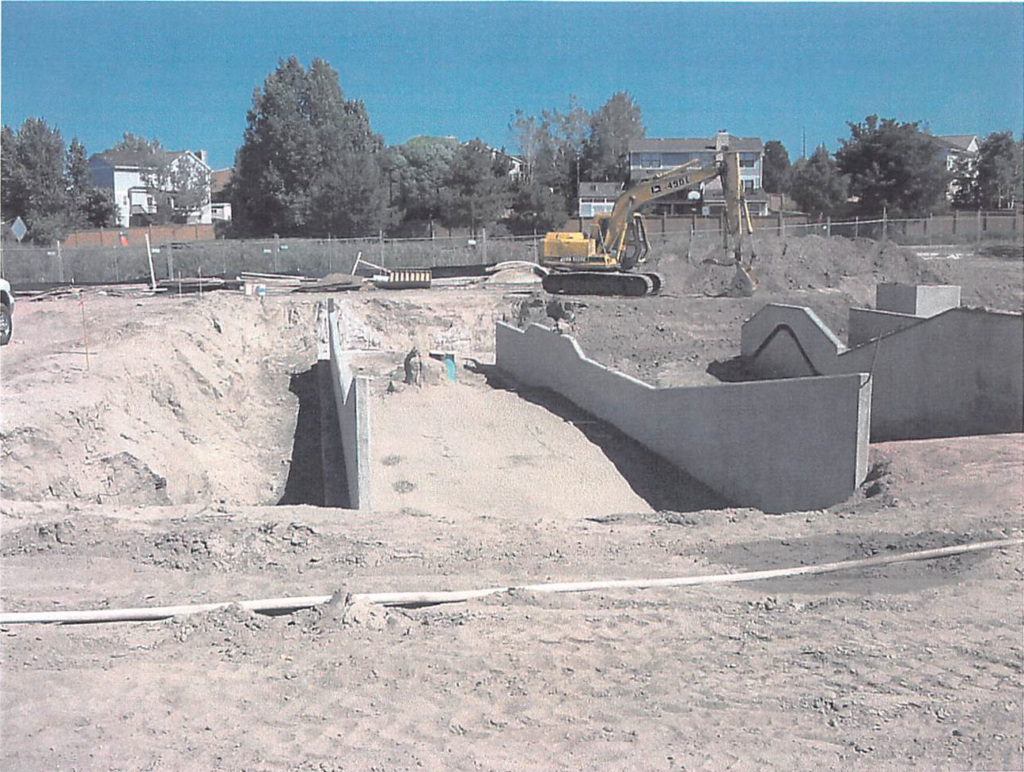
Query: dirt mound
x,y
347,612
166,399
784,265
234,631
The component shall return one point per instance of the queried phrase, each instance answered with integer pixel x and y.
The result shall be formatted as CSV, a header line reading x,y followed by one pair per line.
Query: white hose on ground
x,y
287,605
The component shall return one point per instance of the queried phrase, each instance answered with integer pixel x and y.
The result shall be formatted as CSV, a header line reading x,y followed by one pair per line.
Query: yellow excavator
x,y
602,262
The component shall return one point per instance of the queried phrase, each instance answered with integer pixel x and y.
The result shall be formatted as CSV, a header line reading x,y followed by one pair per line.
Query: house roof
x,y
693,144
219,179
600,189
138,158
956,141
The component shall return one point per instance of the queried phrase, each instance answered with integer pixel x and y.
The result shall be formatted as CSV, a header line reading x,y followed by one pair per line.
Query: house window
x,y
748,160
748,184
650,161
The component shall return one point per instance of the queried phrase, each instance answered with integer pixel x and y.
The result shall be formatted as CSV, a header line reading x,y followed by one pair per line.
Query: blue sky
x,y
185,72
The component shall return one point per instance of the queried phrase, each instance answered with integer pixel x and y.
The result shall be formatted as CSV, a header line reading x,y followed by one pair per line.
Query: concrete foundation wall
x,y
775,445
958,373
351,396
918,299
802,343
867,324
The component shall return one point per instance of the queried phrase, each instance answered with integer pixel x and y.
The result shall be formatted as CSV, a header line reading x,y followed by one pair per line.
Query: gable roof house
x,y
143,183
953,149
597,197
650,157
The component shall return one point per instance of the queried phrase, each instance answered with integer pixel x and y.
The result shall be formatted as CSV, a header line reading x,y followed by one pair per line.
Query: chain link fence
x,y
29,266
953,229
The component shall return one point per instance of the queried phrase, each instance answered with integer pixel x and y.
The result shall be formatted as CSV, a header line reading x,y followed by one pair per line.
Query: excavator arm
x,y
615,228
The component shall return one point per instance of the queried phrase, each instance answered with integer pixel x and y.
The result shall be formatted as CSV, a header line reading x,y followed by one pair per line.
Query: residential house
x,y
597,197
131,175
650,157
516,165
954,150
220,208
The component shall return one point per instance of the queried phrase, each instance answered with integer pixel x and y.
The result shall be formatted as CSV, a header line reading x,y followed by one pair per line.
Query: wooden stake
x,y
85,329
149,255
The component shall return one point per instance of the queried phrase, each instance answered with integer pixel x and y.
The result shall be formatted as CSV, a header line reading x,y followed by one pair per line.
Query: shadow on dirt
x,y
305,484
734,370
664,486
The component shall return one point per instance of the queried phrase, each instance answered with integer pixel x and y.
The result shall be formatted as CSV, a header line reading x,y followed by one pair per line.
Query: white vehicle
x,y
6,310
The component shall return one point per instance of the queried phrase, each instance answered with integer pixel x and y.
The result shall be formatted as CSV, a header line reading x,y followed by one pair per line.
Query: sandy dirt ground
x,y
179,465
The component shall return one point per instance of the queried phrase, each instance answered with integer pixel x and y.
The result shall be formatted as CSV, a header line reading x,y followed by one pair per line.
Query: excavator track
x,y
602,283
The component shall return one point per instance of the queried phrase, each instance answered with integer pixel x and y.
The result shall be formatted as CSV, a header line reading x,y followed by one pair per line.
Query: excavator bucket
x,y
744,283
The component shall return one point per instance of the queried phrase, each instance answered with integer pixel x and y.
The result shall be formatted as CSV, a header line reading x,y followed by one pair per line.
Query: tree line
x,y
895,167
311,165
49,185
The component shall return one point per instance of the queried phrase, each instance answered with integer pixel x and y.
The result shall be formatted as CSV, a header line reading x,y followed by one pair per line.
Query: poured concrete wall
x,y
900,306
351,397
867,324
775,445
954,374
917,299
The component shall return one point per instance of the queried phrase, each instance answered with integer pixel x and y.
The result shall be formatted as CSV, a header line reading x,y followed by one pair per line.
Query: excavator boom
x,y
599,262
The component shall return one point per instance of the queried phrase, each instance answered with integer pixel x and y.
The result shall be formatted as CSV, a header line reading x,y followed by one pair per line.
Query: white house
x,y
131,175
598,197
954,149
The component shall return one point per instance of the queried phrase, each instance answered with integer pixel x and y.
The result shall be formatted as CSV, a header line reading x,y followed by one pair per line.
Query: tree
x,y
536,209
553,147
33,184
49,187
415,175
477,192
998,171
98,209
617,123
965,184
775,167
310,163
817,186
893,166
89,206
525,131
